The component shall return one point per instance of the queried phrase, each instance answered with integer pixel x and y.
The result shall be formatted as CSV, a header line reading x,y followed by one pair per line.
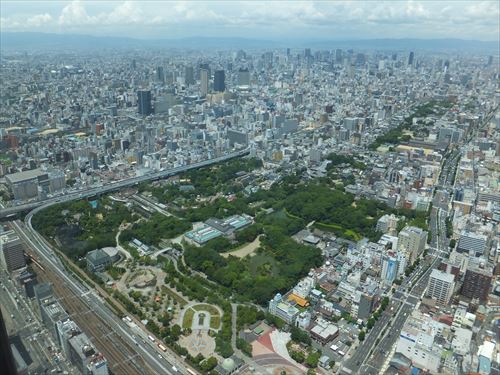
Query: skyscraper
x,y
219,81
144,102
410,58
390,266
338,56
189,75
160,76
203,82
243,77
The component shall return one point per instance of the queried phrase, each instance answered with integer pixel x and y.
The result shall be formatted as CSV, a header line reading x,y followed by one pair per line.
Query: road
x,y
371,356
117,185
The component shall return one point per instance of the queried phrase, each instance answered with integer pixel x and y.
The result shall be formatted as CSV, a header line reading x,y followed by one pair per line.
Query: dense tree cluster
x,y
284,261
81,227
248,315
336,210
207,181
157,227
299,335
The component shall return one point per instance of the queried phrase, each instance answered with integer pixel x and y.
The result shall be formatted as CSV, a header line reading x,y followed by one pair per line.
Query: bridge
x,y
117,185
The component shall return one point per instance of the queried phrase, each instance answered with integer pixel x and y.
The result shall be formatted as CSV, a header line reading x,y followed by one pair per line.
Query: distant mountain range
x,y
44,41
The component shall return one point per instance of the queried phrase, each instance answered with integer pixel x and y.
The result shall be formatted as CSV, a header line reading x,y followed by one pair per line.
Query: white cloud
x,y
369,19
74,14
39,20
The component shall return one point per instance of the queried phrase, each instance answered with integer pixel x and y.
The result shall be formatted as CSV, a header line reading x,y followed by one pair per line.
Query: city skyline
x,y
277,20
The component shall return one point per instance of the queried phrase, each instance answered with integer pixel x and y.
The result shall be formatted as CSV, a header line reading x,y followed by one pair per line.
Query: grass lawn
x,y
187,322
215,322
205,307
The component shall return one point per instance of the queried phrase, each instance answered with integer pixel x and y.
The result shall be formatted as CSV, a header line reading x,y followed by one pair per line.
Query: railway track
x,y
122,359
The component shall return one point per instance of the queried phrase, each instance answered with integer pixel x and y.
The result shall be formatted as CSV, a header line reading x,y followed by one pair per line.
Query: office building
x,y
160,76
189,75
85,357
204,82
477,280
11,252
441,286
51,312
387,224
338,56
243,77
219,81
42,292
472,243
6,353
235,136
66,329
412,241
144,102
411,57
24,185
419,342
390,267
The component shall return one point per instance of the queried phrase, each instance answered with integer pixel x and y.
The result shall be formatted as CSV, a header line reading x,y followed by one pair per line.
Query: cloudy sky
x,y
256,19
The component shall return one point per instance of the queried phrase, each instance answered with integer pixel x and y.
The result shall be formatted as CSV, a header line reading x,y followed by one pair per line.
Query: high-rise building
x,y
411,58
160,76
85,356
412,240
387,224
441,286
42,292
66,329
11,252
144,102
243,77
203,82
477,280
307,52
219,81
235,136
52,312
338,56
6,357
189,75
390,267
472,243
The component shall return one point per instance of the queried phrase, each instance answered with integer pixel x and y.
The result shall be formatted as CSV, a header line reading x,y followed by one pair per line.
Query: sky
x,y
270,20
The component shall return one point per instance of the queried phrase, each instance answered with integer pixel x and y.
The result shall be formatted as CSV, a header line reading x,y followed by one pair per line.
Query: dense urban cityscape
x,y
250,211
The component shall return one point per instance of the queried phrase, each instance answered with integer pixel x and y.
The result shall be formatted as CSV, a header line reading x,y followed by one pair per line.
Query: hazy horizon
x,y
277,20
